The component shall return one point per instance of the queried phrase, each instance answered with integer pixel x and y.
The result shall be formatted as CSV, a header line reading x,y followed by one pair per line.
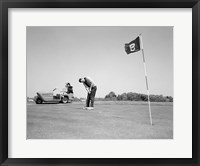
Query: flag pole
x,y
141,46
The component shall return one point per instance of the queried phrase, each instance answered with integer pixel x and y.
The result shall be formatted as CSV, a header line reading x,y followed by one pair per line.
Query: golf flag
x,y
133,46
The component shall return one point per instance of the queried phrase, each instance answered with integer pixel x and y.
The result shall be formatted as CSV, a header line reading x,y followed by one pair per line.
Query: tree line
x,y
131,96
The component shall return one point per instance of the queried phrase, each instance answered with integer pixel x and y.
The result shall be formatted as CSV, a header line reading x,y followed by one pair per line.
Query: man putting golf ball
x,y
91,89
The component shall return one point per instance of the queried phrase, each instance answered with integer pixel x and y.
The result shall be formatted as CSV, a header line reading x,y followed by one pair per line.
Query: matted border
x,y
19,19
97,4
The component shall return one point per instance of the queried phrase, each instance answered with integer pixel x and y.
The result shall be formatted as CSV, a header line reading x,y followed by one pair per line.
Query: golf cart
x,y
56,96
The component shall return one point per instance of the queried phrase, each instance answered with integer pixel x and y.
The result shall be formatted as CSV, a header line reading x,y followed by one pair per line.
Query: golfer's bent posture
x,y
91,89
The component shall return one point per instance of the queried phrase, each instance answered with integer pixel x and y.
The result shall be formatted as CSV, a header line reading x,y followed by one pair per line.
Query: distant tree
x,y
152,98
160,98
143,97
138,97
119,97
111,96
124,96
169,99
131,96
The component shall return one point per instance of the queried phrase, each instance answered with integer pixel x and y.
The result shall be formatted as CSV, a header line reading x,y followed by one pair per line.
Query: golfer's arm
x,y
87,89
91,86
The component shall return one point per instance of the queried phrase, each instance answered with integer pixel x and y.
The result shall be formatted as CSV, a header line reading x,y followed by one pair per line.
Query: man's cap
x,y
80,79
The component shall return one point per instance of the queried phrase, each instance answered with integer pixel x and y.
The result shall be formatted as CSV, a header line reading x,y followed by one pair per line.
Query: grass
x,y
109,120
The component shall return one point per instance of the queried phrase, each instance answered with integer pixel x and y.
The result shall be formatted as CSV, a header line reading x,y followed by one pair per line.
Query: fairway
x,y
109,120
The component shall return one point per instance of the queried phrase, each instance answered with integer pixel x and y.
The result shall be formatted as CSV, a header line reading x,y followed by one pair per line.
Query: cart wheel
x,y
65,99
39,101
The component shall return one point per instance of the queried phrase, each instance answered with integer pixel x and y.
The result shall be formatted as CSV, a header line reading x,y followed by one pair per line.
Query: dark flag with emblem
x,y
133,46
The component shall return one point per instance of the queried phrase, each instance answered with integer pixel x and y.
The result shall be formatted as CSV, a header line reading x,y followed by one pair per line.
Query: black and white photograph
x,y
99,82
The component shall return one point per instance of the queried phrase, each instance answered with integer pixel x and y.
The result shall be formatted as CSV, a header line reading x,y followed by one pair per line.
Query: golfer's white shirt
x,y
93,83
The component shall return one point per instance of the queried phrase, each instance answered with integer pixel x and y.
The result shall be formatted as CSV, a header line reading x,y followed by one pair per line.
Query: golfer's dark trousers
x,y
91,96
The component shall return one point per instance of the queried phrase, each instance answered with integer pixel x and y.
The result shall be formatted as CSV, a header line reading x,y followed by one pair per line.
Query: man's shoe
x,y
89,108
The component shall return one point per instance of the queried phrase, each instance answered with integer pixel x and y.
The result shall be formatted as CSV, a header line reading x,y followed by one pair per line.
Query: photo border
x,y
6,4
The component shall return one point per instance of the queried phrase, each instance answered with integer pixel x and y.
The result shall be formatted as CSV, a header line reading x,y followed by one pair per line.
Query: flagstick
x,y
147,86
141,44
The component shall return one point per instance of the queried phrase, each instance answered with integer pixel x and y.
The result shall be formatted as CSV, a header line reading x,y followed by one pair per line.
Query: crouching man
x,y
91,89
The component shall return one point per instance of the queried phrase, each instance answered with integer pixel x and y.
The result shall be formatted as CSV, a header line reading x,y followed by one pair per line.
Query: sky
x,y
56,55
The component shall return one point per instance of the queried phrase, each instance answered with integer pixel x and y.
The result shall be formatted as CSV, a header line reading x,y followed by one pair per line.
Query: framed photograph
x,y
104,82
